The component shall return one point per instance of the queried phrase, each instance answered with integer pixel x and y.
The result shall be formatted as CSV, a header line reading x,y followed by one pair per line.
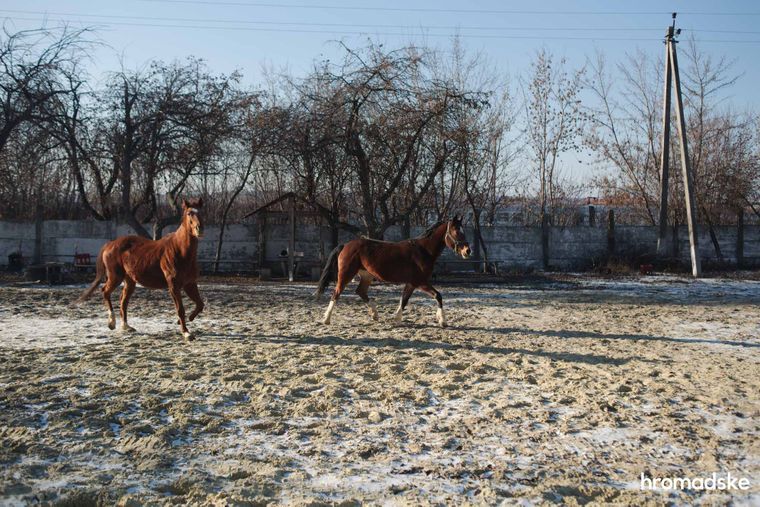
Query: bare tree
x,y
626,132
396,123
254,134
313,148
553,123
485,141
704,78
36,65
165,125
626,128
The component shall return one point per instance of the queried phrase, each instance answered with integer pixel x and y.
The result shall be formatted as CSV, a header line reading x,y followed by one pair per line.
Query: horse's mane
x,y
430,230
425,234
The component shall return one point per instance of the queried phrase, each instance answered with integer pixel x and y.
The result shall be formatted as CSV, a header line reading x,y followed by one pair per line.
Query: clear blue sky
x,y
247,34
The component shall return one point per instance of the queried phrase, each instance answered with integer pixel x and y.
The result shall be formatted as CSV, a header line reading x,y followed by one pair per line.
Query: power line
x,y
341,32
454,11
396,34
296,23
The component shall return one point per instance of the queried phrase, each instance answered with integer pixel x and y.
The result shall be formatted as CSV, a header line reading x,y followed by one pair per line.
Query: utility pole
x,y
671,62
665,153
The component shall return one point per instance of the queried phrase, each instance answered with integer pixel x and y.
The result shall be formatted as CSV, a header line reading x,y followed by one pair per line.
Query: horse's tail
x,y
100,271
332,261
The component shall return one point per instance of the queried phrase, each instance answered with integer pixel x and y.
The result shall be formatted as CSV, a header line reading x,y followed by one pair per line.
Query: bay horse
x,y
167,263
408,262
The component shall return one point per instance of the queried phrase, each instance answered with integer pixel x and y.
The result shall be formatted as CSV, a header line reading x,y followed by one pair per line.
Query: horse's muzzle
x,y
465,252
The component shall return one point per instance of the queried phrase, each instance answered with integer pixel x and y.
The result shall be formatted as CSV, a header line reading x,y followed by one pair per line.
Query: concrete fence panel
x,y
513,247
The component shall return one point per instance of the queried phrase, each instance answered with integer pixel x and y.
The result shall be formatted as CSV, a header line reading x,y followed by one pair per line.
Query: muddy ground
x,y
564,391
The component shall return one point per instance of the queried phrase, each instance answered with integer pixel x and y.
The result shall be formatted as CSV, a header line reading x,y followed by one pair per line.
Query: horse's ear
x,y
185,204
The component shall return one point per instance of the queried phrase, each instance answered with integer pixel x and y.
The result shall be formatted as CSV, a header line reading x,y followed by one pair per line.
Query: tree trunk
x,y
482,243
545,240
740,239
227,208
127,156
38,226
126,205
544,221
676,243
334,234
479,237
160,224
610,234
262,239
220,240
714,239
713,236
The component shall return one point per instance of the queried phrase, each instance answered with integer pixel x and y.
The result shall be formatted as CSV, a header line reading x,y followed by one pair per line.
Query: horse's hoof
x,y
128,329
188,336
326,322
112,325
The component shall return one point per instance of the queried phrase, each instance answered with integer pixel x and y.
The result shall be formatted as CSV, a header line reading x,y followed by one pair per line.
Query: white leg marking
x,y
188,336
441,318
126,327
111,320
372,309
397,315
328,313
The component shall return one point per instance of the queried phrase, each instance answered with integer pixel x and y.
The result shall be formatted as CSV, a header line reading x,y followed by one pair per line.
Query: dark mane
x,y
429,231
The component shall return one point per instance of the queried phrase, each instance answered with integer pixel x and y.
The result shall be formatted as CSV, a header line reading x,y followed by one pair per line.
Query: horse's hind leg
x,y
192,292
437,295
366,281
126,293
405,295
345,275
175,290
112,282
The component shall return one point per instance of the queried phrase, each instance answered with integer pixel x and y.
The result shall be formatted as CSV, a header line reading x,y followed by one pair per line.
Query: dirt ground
x,y
563,391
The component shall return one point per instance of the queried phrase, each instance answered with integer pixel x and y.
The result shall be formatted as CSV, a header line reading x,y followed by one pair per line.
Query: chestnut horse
x,y
170,262
409,262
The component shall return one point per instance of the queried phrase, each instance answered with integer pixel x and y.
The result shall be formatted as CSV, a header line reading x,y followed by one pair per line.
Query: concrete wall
x,y
16,237
642,240
515,247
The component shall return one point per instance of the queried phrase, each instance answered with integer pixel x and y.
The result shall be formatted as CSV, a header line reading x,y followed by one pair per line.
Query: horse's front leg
x,y
429,289
175,290
193,293
405,295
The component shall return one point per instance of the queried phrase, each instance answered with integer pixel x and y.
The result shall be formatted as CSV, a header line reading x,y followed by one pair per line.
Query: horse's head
x,y
191,216
455,238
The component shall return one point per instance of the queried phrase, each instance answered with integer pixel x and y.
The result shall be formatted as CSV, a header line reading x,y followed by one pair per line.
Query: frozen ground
x,y
535,393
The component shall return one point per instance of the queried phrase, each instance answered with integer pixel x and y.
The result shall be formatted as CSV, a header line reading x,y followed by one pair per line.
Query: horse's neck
x,y
436,242
185,242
